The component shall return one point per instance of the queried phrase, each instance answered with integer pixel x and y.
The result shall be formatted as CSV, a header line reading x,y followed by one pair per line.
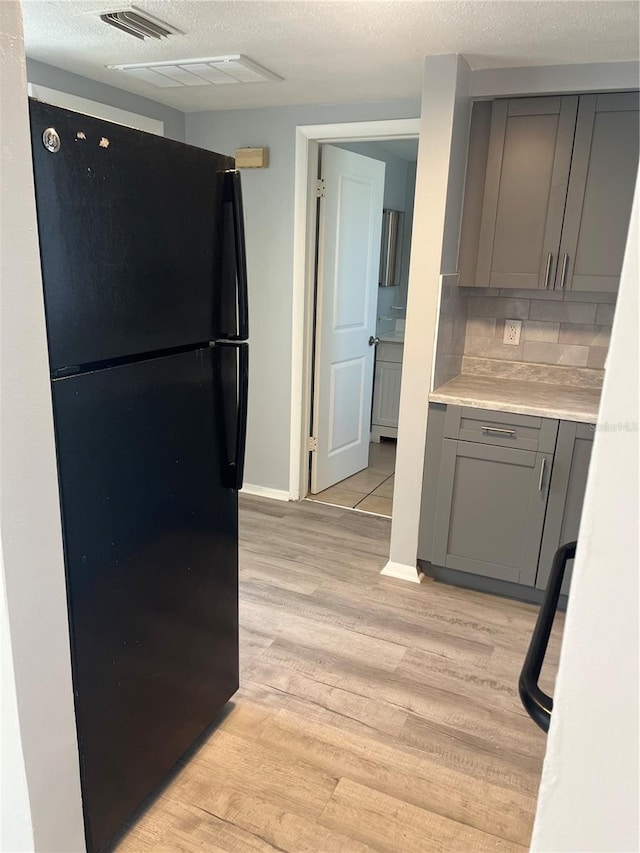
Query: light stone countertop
x,y
393,337
565,402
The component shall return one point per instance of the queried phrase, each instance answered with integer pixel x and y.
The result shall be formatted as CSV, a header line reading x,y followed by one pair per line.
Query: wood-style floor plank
x,y
408,777
372,716
246,764
279,687
394,825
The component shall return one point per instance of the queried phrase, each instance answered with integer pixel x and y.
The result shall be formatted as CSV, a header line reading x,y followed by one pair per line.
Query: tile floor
x,y
371,489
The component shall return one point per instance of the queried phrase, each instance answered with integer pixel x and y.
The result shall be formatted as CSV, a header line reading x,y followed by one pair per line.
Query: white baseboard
x,y
265,492
401,571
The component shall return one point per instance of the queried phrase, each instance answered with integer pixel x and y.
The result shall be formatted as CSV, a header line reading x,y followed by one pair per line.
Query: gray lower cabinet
x,y
566,496
501,492
490,510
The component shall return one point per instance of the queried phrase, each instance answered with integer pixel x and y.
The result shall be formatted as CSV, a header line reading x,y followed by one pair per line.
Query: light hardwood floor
x,y
373,715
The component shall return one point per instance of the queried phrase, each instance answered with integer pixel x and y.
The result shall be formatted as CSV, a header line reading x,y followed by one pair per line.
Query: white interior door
x,y
349,231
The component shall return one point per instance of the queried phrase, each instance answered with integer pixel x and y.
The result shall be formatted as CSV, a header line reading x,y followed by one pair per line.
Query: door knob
x,y
373,341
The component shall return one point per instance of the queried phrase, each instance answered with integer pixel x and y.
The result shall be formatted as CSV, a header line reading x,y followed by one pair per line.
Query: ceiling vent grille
x,y
139,24
214,70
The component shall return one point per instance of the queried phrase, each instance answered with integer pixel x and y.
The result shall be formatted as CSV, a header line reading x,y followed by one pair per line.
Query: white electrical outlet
x,y
512,330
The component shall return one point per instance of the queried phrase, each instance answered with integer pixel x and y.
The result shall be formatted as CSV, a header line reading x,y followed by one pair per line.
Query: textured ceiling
x,y
329,52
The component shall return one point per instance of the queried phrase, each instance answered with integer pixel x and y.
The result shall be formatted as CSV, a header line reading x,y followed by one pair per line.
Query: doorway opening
x,y
369,490
357,384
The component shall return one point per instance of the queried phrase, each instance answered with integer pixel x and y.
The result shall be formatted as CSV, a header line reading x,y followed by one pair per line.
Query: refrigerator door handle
x,y
233,194
241,423
234,394
537,704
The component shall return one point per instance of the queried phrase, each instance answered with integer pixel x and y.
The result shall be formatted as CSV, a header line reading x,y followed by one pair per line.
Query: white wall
x,y
589,795
406,236
446,109
269,198
16,832
37,641
42,74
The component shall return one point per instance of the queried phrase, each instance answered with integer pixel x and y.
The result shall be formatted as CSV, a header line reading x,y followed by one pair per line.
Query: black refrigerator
x,y
144,274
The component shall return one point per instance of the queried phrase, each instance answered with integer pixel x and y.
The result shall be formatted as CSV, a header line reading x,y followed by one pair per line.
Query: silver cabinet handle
x,y
373,342
548,270
542,467
563,274
498,430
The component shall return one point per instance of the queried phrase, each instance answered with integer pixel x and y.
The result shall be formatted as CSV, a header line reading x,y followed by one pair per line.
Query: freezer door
x,y
150,534
136,247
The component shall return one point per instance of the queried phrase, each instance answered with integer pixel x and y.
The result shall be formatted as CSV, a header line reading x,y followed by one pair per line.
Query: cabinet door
x,y
490,510
525,191
603,176
386,394
566,495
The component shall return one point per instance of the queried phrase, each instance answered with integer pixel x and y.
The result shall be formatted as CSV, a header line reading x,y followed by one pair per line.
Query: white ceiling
x,y
329,52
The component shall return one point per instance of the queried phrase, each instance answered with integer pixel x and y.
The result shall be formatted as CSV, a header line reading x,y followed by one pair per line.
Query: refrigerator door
x,y
150,533
137,251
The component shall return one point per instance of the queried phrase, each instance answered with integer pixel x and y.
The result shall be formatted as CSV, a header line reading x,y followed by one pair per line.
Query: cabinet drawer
x,y
503,429
387,351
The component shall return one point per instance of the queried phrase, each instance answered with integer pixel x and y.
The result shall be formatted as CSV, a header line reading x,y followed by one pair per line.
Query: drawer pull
x,y
498,431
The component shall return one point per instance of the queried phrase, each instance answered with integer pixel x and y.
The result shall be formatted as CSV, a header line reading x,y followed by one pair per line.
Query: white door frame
x,y
308,140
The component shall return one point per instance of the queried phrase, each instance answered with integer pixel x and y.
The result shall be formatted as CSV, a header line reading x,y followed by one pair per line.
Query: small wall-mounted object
x,y
390,250
252,158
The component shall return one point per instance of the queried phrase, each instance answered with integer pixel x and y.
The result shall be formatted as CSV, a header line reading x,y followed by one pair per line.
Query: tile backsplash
x,y
450,342
557,328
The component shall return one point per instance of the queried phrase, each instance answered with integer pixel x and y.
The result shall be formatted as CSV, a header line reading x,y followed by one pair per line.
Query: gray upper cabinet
x,y
490,510
566,496
603,171
548,193
525,188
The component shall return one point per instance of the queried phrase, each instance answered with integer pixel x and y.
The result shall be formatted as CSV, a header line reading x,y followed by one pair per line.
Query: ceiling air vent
x,y
138,23
211,71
